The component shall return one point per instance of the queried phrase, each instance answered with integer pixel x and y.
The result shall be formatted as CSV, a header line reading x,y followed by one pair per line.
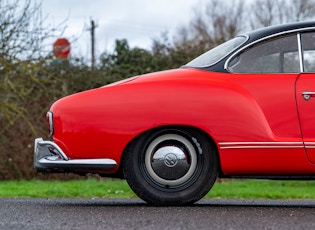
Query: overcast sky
x,y
139,21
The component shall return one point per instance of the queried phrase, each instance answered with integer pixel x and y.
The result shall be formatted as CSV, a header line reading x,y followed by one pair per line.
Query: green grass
x,y
110,188
263,189
66,189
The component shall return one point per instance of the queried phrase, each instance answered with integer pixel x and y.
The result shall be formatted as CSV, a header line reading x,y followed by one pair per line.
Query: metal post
x,y
93,44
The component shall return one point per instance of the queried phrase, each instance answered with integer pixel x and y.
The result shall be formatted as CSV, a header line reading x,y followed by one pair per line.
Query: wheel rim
x,y
170,160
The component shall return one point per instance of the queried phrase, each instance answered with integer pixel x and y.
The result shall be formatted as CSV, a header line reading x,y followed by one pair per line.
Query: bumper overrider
x,y
49,157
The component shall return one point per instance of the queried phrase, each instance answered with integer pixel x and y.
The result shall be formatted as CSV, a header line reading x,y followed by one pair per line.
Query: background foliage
x,y
31,79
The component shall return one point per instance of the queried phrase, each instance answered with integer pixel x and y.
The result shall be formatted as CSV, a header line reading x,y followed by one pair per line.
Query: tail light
x,y
50,121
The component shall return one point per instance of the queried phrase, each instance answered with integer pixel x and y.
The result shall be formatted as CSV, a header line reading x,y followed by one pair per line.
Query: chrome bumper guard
x,y
49,157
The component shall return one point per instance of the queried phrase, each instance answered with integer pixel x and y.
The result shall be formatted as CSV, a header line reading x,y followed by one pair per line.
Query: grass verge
x,y
110,188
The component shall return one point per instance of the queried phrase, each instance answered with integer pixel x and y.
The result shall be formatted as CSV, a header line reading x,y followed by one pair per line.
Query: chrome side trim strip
x,y
260,145
310,145
263,147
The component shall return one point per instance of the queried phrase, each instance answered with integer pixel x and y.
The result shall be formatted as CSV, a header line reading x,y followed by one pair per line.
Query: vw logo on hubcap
x,y
170,160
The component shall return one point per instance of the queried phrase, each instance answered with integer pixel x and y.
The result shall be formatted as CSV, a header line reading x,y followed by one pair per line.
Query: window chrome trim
x,y
301,59
262,39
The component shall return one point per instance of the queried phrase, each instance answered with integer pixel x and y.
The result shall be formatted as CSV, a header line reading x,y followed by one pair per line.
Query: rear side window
x,y
308,47
216,54
277,55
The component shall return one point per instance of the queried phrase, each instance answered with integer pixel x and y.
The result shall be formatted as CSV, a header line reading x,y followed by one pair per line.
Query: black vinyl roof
x,y
278,29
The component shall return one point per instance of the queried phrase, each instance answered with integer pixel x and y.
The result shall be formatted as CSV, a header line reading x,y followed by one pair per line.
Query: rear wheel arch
x,y
178,127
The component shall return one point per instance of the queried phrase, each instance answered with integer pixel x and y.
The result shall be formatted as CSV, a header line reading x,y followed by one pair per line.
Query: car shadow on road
x,y
134,202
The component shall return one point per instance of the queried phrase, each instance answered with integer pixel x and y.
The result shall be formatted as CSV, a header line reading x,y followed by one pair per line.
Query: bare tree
x,y
272,12
21,30
218,20
214,22
225,19
264,12
301,10
22,50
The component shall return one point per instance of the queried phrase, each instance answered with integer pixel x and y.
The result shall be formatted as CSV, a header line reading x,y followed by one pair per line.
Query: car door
x,y
305,94
269,71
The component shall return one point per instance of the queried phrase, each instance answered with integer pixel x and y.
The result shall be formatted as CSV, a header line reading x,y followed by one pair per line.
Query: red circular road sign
x,y
61,48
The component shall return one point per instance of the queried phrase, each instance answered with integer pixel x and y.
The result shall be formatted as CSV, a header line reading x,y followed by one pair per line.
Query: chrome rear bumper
x,y
49,157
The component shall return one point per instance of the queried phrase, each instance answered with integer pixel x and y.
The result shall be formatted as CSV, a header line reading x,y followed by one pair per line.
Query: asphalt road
x,y
135,214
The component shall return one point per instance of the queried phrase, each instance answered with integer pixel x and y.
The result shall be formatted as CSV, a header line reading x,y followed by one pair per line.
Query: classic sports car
x,y
242,109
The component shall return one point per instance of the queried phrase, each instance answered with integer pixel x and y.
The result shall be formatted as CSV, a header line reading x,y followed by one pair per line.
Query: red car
x,y
243,109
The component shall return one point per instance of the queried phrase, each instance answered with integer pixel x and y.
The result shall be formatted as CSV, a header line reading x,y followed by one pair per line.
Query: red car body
x,y
257,123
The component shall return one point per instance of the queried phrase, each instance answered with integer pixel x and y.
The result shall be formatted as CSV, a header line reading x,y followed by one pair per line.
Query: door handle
x,y
307,95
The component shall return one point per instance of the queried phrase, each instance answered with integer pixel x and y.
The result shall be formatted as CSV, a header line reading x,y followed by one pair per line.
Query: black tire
x,y
171,166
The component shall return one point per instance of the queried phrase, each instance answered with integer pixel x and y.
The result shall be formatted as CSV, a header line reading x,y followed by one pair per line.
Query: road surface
x,y
135,214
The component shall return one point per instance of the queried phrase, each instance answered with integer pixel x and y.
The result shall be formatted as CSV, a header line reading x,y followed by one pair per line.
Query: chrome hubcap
x,y
170,160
